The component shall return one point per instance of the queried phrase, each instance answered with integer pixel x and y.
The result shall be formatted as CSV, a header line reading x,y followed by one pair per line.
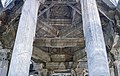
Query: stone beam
x,y
109,3
73,17
94,40
107,14
60,2
22,50
40,54
70,30
60,22
6,3
73,7
48,28
59,42
45,10
55,66
61,58
118,6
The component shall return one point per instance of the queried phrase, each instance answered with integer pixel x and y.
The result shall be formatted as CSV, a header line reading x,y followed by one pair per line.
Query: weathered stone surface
x,y
6,3
52,65
95,45
59,42
117,67
116,47
109,35
112,71
61,58
40,54
79,54
118,6
4,67
59,28
22,51
55,65
3,60
109,3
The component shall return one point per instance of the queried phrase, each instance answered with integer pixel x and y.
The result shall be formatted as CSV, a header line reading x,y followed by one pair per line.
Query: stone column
x,y
95,45
22,51
112,72
3,61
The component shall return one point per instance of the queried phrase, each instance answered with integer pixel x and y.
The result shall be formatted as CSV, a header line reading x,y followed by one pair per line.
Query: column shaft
x,y
22,51
95,45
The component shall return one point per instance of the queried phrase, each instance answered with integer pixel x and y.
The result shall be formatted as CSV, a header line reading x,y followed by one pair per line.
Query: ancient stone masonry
x,y
116,52
95,45
59,37
3,60
118,6
22,51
